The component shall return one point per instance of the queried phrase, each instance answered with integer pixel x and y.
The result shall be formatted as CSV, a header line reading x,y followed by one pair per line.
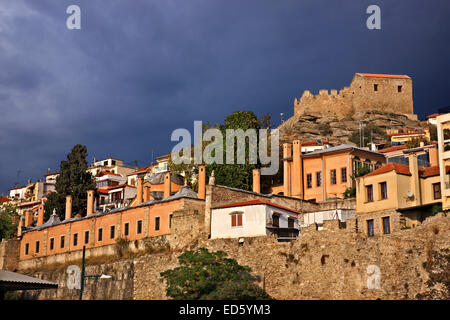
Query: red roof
x,y
434,115
104,173
105,189
393,148
374,75
398,167
429,172
405,133
3,199
254,202
404,169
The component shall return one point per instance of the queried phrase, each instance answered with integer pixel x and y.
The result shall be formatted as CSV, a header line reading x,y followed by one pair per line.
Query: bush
x,y
204,275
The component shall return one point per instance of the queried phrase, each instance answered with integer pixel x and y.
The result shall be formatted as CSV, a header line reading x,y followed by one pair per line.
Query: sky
x,y
137,70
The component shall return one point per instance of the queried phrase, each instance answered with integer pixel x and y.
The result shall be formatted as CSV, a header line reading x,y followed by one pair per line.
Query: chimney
x,y
146,193
68,207
139,191
28,218
414,182
287,169
201,182
296,169
257,180
166,185
90,202
433,156
19,228
40,214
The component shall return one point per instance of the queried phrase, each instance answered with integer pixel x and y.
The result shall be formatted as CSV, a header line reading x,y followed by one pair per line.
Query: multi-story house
x,y
396,196
324,174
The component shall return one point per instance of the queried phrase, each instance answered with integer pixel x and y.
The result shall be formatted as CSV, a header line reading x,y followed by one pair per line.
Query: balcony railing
x,y
284,234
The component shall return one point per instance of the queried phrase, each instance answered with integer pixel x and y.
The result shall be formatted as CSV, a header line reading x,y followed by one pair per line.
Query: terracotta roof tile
x,y
374,75
398,167
393,148
429,172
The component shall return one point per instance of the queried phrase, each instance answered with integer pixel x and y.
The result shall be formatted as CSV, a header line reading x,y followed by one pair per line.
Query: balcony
x,y
283,234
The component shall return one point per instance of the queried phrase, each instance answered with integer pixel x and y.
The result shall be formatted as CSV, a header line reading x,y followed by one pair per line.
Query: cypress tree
x,y
74,180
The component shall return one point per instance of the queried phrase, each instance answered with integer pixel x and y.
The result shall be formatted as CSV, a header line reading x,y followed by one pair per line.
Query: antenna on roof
x,y
17,180
282,115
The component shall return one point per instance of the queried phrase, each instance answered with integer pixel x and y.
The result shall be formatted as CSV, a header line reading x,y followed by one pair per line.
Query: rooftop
x,y
375,75
339,148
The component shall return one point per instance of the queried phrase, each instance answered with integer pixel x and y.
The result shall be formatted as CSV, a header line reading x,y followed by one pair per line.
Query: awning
x,y
16,281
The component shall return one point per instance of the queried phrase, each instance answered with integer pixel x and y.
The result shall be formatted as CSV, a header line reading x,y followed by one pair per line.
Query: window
x,y
27,248
61,243
236,219
375,87
437,191
86,237
52,243
290,223
383,189
100,234
370,228
170,221
399,88
318,178
369,193
309,180
276,220
126,229
113,162
112,231
139,227
75,239
333,176
344,175
37,246
386,225
156,223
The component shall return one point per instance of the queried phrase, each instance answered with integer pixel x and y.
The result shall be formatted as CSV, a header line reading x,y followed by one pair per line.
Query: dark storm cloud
x,y
137,70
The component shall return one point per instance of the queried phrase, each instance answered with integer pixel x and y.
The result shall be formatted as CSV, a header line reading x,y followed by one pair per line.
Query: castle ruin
x,y
380,92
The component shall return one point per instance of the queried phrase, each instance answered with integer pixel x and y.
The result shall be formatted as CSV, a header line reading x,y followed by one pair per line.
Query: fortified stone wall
x,y
9,254
383,93
329,264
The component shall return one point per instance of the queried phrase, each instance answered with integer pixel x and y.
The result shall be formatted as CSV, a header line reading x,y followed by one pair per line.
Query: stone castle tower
x,y
382,92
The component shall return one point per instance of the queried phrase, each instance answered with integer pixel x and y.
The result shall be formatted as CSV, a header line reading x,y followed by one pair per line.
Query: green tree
x,y
231,175
433,132
74,180
7,227
204,275
360,171
236,175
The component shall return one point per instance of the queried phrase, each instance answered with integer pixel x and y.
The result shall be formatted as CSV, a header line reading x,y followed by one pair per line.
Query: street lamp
x,y
83,276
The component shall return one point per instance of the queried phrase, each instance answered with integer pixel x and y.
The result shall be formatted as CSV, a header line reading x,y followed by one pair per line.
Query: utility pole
x,y
83,276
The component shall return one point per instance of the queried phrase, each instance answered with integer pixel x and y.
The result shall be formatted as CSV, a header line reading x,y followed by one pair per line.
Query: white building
x,y
254,218
334,214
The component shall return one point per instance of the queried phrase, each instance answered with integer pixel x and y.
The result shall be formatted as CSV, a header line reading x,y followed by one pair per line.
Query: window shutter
x,y
239,217
233,220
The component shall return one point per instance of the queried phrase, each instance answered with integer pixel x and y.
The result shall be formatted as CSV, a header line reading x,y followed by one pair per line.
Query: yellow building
x,y
443,131
404,137
396,196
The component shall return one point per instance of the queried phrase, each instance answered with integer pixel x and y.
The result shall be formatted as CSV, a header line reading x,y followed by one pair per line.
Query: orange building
x,y
140,220
323,174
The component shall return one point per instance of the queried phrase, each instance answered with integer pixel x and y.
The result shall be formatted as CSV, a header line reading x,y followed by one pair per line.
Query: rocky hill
x,y
313,126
